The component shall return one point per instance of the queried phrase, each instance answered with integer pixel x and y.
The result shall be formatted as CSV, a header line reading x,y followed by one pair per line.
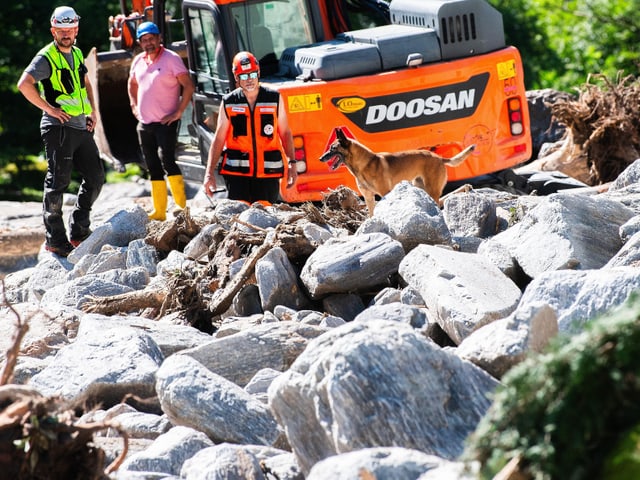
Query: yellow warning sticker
x,y
305,103
506,69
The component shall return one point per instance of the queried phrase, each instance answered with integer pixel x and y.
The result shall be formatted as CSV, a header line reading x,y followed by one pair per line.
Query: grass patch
x,y
22,176
132,170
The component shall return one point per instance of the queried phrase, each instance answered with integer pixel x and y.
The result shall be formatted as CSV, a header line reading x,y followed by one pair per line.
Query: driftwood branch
x,y
569,159
512,471
191,291
126,302
86,431
43,425
234,246
173,234
223,299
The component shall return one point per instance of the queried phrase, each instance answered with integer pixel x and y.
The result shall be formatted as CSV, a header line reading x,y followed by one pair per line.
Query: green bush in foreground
x,y
572,412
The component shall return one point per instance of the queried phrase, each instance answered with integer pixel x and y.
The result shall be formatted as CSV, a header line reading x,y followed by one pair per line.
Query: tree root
x,y
603,124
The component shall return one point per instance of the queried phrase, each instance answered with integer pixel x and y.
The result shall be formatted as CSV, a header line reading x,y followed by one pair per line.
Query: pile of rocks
x,y
374,358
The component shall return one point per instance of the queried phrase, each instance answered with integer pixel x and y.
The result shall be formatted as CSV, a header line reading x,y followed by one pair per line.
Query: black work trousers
x,y
252,189
67,149
158,144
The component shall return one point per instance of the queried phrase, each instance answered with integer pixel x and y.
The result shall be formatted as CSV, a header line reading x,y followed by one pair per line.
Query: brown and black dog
x,y
378,173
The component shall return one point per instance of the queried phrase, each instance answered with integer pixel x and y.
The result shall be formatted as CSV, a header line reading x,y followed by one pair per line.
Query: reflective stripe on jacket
x,y
253,146
65,88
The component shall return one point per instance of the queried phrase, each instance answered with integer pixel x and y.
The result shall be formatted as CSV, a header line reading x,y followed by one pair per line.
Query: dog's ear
x,y
341,136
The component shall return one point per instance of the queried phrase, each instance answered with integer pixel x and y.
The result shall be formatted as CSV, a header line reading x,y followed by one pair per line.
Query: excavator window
x,y
357,14
210,66
174,30
267,28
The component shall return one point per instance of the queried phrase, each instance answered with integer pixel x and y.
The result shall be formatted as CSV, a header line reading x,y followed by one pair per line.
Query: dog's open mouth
x,y
332,159
335,161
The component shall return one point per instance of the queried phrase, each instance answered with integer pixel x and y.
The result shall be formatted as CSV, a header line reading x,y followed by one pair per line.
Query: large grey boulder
x,y
240,356
500,345
192,396
277,281
462,291
126,357
470,214
578,297
409,215
378,383
166,454
352,264
567,231
388,463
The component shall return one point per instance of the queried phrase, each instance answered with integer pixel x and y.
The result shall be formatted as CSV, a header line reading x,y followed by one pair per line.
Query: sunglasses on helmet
x,y
247,76
65,20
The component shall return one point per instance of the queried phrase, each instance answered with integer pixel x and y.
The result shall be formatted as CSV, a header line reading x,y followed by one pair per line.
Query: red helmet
x,y
244,62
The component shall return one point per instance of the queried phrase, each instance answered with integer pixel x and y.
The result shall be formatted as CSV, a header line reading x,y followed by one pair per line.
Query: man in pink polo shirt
x,y
160,89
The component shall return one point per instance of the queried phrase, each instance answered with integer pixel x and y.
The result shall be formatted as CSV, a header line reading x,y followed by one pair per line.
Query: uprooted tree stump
x,y
603,136
40,439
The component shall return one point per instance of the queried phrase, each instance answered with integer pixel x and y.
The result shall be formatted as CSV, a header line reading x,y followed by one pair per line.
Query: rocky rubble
x,y
261,343
371,355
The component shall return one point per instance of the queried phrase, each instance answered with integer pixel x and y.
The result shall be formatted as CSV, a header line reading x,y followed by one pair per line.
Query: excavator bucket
x,y
115,132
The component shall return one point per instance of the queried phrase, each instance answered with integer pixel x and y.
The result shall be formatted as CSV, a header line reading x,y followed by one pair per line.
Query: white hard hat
x,y
64,17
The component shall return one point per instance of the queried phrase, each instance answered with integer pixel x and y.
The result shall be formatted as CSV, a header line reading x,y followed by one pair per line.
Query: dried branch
x,y
222,300
6,376
126,302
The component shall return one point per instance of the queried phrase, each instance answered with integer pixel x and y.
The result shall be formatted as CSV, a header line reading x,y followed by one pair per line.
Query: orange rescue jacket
x,y
253,146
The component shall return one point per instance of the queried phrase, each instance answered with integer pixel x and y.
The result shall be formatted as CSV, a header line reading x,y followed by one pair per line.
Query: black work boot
x,y
62,249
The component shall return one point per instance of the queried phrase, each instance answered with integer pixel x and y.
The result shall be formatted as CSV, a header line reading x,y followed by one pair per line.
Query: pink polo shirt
x,y
158,86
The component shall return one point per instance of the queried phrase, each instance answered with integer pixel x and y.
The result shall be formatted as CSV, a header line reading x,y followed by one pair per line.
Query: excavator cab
x,y
267,28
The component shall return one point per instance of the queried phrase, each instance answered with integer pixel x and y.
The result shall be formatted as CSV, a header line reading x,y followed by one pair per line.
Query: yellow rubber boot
x,y
176,184
159,197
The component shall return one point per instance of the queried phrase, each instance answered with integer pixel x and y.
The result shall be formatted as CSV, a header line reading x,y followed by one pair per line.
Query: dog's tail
x,y
459,158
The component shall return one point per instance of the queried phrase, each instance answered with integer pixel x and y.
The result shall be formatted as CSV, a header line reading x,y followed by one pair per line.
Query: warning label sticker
x,y
506,69
305,103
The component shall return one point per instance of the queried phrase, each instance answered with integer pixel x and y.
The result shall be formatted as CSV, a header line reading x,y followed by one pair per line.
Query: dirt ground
x,y
22,228
21,235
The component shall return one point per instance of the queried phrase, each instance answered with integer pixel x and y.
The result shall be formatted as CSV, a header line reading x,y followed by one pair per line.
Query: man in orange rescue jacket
x,y
253,137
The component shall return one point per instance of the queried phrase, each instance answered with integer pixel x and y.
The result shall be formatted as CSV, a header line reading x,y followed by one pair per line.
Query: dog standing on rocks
x,y
378,173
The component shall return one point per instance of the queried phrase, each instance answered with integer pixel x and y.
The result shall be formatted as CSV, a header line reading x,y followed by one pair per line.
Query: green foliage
x,y
624,461
563,41
22,176
25,26
564,412
132,170
524,29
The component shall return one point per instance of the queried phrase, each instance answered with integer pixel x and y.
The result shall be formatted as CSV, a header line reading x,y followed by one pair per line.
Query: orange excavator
x,y
430,74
